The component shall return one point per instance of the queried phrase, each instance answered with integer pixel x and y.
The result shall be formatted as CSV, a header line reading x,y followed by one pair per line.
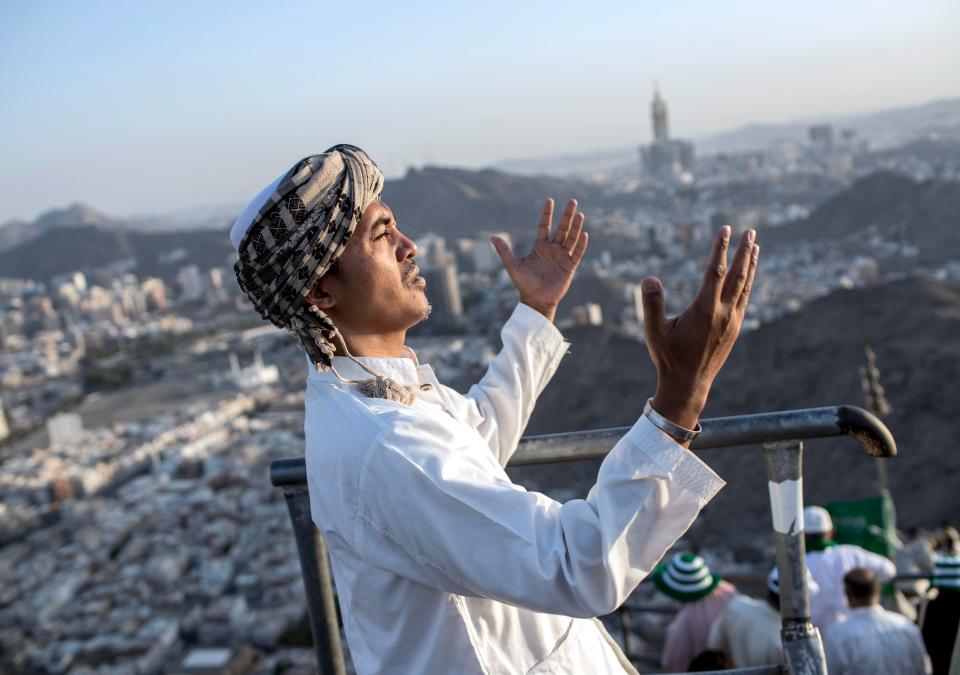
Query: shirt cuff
x,y
673,459
541,330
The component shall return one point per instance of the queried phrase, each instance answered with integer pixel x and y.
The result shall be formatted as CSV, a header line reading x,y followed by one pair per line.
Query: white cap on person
x,y
816,520
773,582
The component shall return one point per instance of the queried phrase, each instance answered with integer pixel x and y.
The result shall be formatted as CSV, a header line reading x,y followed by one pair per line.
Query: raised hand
x,y
543,276
689,350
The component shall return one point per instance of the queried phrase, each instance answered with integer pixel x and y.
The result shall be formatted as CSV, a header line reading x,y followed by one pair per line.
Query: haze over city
x,y
145,108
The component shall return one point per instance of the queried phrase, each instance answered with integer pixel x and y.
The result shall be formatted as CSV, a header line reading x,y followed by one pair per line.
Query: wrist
x,y
548,311
682,410
682,435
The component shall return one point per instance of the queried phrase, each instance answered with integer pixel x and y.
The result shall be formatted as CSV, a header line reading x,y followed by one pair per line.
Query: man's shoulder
x,y
896,620
853,550
745,607
870,620
341,420
741,601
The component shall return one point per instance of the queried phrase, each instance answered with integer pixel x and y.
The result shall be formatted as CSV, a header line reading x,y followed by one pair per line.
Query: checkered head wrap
x,y
292,233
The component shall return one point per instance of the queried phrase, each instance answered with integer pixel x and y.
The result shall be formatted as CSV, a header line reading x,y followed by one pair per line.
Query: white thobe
x,y
828,605
748,631
872,640
441,563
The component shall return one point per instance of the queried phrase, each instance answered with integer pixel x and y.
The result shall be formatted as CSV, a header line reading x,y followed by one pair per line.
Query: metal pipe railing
x,y
780,433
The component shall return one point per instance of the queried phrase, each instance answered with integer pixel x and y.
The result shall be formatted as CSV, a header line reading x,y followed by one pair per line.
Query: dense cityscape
x,y
140,412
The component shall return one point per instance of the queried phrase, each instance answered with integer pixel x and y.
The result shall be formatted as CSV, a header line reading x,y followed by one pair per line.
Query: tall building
x,y
443,291
191,283
821,137
658,111
4,427
665,158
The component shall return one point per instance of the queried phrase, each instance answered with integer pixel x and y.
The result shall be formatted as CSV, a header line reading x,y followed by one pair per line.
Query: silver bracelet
x,y
668,427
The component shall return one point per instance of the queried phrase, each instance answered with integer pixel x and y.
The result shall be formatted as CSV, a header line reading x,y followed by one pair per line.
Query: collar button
x,y
426,387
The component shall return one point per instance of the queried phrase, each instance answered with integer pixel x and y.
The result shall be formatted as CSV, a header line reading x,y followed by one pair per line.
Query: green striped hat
x,y
946,571
685,577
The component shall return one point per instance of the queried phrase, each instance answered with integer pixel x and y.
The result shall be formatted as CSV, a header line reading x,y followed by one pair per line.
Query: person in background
x,y
687,579
748,630
872,640
914,556
828,562
942,535
942,616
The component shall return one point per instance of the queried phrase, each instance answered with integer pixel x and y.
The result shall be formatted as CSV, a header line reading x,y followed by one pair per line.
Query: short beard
x,y
426,313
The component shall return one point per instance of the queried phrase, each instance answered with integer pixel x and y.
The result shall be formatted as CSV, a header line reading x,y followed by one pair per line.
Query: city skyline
x,y
192,106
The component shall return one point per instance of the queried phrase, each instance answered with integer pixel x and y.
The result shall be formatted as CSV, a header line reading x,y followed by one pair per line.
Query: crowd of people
x,y
913,630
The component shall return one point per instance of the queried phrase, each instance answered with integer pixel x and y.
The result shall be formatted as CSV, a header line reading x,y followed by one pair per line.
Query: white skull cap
x,y
249,214
773,582
816,520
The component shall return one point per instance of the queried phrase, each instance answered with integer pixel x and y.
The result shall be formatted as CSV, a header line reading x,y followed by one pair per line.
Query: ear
x,y
320,297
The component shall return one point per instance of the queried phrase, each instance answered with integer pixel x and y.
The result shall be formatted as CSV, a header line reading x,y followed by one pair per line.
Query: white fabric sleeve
x,y
883,566
434,510
503,400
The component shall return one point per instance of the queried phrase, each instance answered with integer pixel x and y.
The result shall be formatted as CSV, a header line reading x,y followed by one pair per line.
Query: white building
x,y
65,429
253,376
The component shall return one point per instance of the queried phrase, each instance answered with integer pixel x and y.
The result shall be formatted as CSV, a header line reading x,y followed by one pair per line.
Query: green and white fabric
x,y
685,577
946,571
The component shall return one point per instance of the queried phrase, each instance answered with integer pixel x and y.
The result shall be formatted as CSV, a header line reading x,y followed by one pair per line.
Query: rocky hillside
x,y
59,250
451,202
926,215
807,359
460,202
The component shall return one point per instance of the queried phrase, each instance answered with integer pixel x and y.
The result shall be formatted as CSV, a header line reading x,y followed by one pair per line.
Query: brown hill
x,y
460,202
807,359
61,249
19,232
926,215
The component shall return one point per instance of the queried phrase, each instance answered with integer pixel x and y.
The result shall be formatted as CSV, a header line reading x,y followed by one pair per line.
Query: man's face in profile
x,y
379,290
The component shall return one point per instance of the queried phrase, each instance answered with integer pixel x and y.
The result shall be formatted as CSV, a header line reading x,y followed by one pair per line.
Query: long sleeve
x,y
883,566
501,403
434,510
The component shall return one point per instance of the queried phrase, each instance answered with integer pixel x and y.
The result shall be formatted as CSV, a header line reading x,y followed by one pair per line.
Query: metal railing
x,y
780,433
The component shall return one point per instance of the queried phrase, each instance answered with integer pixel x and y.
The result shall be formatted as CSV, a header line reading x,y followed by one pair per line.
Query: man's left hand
x,y
543,276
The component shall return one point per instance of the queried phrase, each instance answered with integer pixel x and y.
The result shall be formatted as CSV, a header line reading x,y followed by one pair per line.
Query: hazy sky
x,y
142,107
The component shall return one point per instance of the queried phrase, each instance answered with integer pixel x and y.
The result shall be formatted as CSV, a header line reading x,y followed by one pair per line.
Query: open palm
x,y
544,275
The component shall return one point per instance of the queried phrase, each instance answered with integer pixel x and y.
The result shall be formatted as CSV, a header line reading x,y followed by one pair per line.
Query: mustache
x,y
411,272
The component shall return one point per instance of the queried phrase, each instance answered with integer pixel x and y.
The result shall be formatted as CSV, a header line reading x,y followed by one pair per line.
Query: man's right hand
x,y
689,350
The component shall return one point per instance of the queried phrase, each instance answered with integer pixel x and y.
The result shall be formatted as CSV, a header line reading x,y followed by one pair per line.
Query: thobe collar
x,y
867,609
402,370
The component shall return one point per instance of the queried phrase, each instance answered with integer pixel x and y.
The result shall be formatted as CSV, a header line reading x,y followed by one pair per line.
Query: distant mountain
x,y
926,215
58,250
450,202
18,232
575,163
463,202
883,129
807,359
213,217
